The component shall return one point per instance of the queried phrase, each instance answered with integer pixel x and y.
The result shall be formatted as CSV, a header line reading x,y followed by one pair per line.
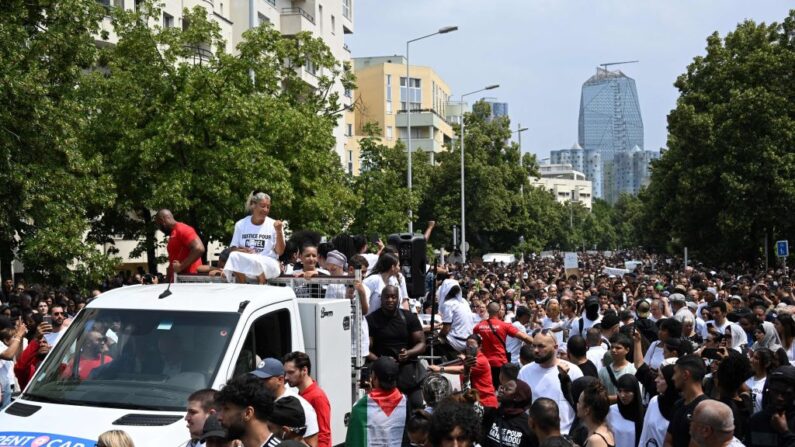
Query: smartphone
x,y
47,319
710,353
374,239
471,351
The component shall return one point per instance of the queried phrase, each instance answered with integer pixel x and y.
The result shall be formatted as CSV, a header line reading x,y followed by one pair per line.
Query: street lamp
x,y
518,131
444,30
463,196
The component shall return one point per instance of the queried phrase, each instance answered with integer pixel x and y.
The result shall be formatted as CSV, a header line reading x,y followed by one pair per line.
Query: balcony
x,y
423,117
295,20
424,144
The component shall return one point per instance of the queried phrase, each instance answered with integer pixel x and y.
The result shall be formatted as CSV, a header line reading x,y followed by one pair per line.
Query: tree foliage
x,y
382,186
180,123
49,188
500,203
728,177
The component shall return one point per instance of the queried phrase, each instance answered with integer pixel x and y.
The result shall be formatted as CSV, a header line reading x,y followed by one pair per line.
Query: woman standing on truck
x,y
386,272
257,243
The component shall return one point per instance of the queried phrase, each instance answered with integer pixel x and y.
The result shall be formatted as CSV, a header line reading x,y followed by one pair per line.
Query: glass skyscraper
x,y
610,121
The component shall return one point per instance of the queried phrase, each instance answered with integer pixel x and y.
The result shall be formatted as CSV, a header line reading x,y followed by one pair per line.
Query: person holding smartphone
x,y
475,371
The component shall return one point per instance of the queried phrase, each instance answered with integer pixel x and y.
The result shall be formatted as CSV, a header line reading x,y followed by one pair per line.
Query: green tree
x,y
382,185
728,177
181,123
501,205
49,187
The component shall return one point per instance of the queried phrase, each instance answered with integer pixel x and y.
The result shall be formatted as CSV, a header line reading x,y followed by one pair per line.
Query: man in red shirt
x,y
185,248
493,332
297,368
476,365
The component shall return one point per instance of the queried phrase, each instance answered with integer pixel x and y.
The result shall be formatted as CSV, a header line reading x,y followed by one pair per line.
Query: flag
x,y
378,419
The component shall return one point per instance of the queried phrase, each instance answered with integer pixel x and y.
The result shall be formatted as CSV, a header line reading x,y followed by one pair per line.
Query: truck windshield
x,y
135,359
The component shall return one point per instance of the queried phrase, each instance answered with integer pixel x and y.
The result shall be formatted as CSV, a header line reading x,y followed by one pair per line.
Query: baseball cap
x,y
386,370
680,288
735,298
268,368
213,429
288,412
692,305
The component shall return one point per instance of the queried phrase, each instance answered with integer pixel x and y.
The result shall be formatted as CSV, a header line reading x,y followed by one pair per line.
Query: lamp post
x,y
463,184
518,132
444,30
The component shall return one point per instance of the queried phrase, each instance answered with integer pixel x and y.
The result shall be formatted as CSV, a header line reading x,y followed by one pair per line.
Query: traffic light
x,y
411,253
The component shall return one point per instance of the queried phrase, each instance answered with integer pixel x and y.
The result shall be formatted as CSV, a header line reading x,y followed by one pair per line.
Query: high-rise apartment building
x,y
610,121
497,108
329,20
587,161
632,170
382,97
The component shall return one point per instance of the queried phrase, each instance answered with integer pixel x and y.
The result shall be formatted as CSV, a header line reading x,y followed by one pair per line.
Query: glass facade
x,y
610,123
587,161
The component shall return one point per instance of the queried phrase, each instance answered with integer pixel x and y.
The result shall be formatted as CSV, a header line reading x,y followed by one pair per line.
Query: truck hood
x,y
38,424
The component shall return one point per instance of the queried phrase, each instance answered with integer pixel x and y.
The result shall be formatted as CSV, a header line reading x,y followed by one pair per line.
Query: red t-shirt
x,y
492,347
179,246
319,401
480,377
86,366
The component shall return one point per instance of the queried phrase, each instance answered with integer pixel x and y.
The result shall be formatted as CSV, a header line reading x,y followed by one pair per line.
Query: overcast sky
x,y
541,51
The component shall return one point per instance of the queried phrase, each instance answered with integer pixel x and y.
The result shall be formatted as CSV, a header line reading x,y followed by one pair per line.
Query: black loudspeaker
x,y
411,252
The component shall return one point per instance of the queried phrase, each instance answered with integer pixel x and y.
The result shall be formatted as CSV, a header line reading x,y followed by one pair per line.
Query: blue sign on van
x,y
28,439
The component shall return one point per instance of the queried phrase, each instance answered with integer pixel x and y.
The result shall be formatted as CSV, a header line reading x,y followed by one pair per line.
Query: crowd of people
x,y
626,349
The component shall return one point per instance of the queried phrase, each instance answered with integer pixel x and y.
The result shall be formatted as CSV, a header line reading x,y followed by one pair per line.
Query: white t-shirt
x,y
586,324
595,354
457,313
260,238
513,344
654,356
371,258
6,368
756,387
623,430
309,412
545,383
655,426
547,323
376,284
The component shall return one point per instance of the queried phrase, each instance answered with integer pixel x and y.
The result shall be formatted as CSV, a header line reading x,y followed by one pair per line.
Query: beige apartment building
x,y
382,97
566,184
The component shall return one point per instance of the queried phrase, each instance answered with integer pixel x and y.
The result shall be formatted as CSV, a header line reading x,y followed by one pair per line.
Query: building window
x,y
413,94
349,131
310,67
389,93
389,134
333,24
346,9
350,162
320,17
168,21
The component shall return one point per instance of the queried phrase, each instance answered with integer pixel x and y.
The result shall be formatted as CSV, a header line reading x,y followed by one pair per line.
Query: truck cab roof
x,y
213,297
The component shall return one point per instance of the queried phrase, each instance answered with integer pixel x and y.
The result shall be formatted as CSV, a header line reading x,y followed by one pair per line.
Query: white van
x,y
198,337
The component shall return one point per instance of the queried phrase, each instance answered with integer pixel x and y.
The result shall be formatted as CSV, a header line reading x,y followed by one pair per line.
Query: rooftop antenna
x,y
607,64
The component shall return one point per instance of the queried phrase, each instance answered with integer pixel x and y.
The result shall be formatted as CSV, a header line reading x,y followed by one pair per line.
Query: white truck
x,y
199,336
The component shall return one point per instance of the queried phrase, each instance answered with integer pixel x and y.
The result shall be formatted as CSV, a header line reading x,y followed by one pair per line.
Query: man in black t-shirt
x,y
397,333
689,371
508,425
576,350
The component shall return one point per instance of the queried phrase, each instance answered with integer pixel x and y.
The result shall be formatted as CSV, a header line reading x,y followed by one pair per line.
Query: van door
x,y
269,332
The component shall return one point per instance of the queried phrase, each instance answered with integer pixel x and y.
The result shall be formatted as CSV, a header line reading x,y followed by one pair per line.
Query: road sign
x,y
782,249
